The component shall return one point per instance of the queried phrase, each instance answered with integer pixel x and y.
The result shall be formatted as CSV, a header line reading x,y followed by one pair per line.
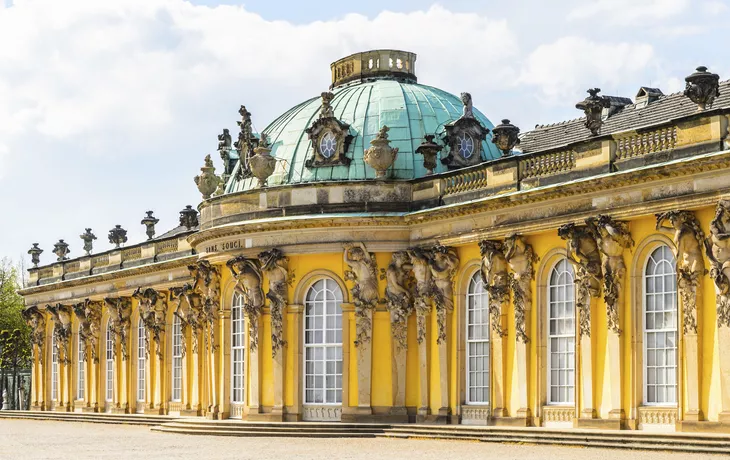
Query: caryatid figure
x,y
612,237
521,259
444,264
495,280
121,311
398,297
61,315
420,261
249,282
688,241
718,251
36,320
363,271
583,254
276,266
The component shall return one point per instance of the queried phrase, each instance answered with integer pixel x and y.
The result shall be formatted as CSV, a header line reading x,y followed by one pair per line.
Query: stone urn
x,y
207,181
380,156
430,150
262,164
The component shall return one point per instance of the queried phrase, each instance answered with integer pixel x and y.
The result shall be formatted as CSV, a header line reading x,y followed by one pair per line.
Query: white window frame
x,y
329,286
54,369
177,359
645,332
141,362
109,363
81,369
238,350
569,286
477,316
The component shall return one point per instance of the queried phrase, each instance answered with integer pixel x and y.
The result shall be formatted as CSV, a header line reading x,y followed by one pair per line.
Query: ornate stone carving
x,y
276,267
430,150
399,297
496,282
380,156
249,281
443,263
364,273
61,315
558,414
262,164
207,181
658,415
702,87
224,148
246,142
207,285
330,137
189,304
464,138
612,237
506,136
593,106
225,141
88,238
189,218
89,314
149,222
36,320
583,254
120,309
117,236
35,254
717,246
152,309
425,288
688,241
521,259
61,250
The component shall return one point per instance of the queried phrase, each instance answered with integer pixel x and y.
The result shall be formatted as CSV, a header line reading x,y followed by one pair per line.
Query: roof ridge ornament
x,y
207,182
380,156
117,236
262,164
430,150
505,136
61,250
88,238
702,87
35,254
593,107
149,222
189,217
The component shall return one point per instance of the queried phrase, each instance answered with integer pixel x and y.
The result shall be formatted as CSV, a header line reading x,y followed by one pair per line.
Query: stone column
x,y
583,304
423,307
254,365
399,301
294,414
224,319
278,357
159,376
723,337
363,345
196,374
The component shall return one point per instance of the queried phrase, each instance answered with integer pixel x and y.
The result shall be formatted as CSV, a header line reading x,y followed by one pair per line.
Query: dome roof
x,y
410,110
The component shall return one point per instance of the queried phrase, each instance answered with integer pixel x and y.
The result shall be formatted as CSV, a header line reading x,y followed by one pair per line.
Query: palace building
x,y
384,252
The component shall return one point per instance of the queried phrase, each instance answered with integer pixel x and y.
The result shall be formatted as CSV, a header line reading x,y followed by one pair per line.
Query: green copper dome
x,y
410,110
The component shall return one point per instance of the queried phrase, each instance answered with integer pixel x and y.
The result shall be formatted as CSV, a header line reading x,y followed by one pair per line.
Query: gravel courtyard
x,y
31,439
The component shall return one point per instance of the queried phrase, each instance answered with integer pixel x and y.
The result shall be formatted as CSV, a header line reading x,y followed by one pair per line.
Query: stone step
x,y
88,418
267,426
585,442
283,429
213,431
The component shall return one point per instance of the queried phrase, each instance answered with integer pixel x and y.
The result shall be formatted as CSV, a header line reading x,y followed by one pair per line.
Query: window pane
x,y
561,334
477,335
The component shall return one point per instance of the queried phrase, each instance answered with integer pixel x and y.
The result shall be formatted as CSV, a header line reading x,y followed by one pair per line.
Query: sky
x,y
107,108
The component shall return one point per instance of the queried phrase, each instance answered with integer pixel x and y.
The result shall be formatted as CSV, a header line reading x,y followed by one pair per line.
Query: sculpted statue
x,y
521,259
224,141
327,110
496,281
468,109
188,308
152,308
61,315
398,296
425,288
688,241
36,320
249,281
207,283
89,315
120,309
444,263
717,246
612,237
363,271
276,267
583,254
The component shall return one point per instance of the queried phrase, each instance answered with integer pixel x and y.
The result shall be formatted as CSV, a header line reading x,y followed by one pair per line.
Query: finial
x,y
35,254
505,136
150,221
88,238
592,107
189,217
702,87
117,236
61,250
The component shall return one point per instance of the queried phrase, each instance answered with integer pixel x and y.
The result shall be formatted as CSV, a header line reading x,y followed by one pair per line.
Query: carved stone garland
x,y
496,282
398,296
521,259
717,246
612,237
276,267
688,241
443,263
363,272
249,280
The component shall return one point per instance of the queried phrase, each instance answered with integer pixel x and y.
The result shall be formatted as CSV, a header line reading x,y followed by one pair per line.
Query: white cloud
x,y
564,69
628,12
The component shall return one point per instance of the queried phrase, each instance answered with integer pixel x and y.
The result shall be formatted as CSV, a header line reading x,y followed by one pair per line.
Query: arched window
x,y
80,374
660,328
561,334
477,342
109,362
141,361
54,369
323,343
238,342
177,359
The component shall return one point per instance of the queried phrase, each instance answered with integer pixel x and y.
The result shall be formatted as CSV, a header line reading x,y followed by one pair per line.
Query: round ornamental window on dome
x,y
466,145
327,144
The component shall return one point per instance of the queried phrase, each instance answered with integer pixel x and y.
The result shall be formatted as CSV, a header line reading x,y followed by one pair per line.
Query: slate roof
x,y
634,116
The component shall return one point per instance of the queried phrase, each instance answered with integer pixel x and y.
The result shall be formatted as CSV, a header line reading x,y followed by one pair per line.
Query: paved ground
x,y
31,439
